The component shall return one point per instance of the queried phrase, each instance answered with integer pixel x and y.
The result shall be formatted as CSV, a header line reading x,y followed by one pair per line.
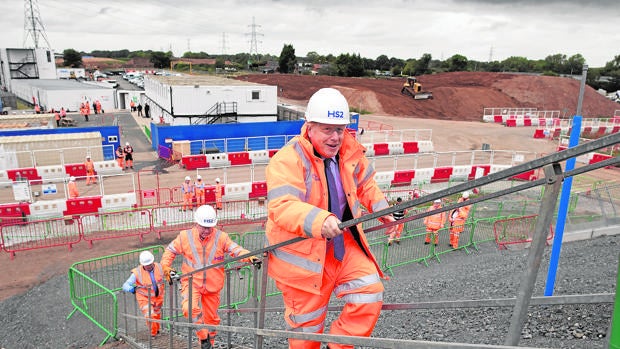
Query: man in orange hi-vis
x,y
188,194
120,156
320,178
144,281
433,223
457,220
72,188
200,247
89,165
218,194
199,188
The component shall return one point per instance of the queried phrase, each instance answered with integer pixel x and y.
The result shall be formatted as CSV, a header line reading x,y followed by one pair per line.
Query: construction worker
x,y
98,107
89,165
128,155
218,194
398,215
144,281
57,118
457,220
72,188
200,247
433,223
199,190
87,109
37,109
188,194
308,200
120,156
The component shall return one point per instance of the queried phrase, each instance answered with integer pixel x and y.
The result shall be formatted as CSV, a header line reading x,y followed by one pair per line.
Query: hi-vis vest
x,y
298,202
143,279
434,222
197,255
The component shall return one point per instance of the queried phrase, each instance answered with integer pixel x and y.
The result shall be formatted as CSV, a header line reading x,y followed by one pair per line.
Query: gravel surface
x,y
37,319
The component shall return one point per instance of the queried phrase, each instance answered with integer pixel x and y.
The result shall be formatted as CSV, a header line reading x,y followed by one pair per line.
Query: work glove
x,y
169,272
255,261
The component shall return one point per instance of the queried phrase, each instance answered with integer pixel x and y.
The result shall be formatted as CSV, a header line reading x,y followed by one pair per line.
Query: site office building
x,y
187,100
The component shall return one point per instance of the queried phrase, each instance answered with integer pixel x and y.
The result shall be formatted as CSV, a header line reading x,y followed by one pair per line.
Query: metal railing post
x,y
553,175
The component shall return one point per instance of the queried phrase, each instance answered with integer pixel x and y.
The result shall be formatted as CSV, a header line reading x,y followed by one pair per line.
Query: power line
x,y
33,26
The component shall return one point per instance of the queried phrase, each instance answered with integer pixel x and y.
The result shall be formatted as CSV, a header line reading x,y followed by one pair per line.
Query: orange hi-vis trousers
x,y
355,280
204,309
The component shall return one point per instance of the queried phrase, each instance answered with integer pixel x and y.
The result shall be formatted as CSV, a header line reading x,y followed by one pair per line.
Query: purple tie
x,y
334,206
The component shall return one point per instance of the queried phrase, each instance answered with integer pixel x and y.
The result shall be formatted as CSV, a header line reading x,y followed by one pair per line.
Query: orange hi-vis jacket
x,y
459,216
73,190
298,206
436,221
89,166
199,254
143,280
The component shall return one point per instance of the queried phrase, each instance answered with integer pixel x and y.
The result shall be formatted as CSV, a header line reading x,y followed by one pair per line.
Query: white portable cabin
x,y
182,99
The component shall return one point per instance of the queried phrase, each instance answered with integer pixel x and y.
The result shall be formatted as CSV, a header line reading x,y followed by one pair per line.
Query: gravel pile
x,y
37,319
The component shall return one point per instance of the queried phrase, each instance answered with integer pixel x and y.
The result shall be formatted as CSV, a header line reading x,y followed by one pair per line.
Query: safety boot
x,y
206,343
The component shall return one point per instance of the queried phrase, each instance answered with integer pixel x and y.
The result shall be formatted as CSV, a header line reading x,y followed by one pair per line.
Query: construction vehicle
x,y
413,88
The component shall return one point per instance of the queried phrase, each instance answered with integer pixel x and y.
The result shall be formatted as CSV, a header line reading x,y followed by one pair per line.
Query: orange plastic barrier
x,y
242,158
615,129
403,177
192,162
411,147
526,176
601,131
486,171
259,189
272,152
527,122
381,149
511,123
586,130
498,119
539,133
76,170
596,157
89,204
441,174
29,173
11,213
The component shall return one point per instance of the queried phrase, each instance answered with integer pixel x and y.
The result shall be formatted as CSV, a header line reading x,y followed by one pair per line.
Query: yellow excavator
x,y
413,88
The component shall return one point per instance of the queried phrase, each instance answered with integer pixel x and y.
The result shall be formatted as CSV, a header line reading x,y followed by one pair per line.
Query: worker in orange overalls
x,y
89,165
128,155
398,215
37,109
457,220
202,246
327,260
199,188
120,156
87,109
144,281
218,194
433,223
72,188
132,105
188,194
98,107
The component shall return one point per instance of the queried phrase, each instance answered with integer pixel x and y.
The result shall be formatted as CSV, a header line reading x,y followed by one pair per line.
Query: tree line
x,y
353,65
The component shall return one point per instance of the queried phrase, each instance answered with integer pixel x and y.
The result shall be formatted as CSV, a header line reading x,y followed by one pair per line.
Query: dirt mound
x,y
457,96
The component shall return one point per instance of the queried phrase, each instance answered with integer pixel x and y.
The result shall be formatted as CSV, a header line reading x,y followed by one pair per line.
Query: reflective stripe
x,y
356,208
368,175
285,190
360,298
310,218
308,329
307,165
234,249
313,315
199,262
171,248
380,206
357,283
299,262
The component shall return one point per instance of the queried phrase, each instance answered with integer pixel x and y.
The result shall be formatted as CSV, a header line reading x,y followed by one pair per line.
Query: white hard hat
x,y
328,106
127,143
205,216
198,177
88,156
438,201
465,194
187,178
217,180
146,258
72,179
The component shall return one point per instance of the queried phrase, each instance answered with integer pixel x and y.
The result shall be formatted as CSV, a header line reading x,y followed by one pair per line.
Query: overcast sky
x,y
477,29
